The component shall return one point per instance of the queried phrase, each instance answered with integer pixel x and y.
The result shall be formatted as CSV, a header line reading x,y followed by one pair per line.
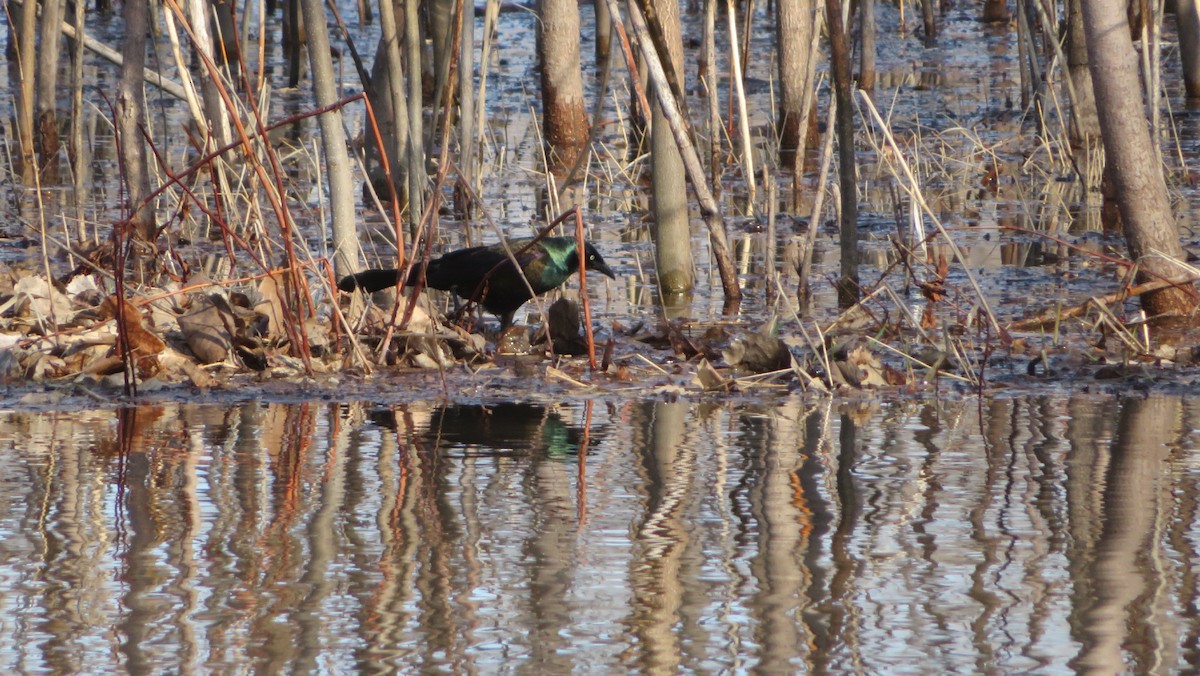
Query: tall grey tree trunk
x,y
80,149
199,12
131,112
564,115
709,77
466,96
603,30
1150,229
333,139
390,103
1085,126
671,229
26,94
929,21
839,48
293,40
224,34
47,84
796,22
441,32
1187,22
866,46
416,123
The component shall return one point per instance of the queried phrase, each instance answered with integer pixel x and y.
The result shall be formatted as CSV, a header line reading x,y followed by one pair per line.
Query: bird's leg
x,y
456,313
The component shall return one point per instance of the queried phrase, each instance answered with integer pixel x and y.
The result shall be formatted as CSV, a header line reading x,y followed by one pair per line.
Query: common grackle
x,y
546,264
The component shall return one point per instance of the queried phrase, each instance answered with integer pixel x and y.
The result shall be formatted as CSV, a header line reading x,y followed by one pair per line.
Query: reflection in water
x,y
504,428
792,536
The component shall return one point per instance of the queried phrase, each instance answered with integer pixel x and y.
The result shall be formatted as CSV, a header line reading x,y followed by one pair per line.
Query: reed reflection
x,y
1009,534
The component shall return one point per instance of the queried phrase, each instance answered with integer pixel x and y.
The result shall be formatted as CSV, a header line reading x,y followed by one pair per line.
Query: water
x,y
1015,533
794,535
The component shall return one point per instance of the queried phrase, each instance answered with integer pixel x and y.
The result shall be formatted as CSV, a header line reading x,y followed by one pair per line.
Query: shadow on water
x,y
802,535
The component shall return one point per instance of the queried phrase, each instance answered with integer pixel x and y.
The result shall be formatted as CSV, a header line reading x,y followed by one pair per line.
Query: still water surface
x,y
790,535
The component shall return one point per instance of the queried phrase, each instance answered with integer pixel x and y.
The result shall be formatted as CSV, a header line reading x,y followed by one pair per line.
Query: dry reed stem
x,y
736,74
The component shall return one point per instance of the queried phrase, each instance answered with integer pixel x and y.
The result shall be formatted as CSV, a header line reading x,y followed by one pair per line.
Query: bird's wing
x,y
463,269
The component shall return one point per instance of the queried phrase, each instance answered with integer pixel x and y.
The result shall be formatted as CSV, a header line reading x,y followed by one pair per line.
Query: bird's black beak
x,y
600,266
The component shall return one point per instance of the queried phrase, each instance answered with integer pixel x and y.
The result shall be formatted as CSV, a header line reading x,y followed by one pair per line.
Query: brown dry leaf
x,y
991,180
466,345
47,367
928,318
845,373
318,335
84,292
421,320
142,341
85,358
935,289
869,367
893,377
148,367
103,366
682,344
855,319
859,369
270,303
430,353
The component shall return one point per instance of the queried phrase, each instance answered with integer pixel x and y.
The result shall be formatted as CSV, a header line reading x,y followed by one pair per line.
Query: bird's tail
x,y
375,279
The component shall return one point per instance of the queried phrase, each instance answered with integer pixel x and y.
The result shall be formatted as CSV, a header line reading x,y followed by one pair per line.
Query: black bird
x,y
546,264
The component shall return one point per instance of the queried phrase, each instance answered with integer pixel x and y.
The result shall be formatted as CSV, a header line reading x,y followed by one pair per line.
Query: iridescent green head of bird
x,y
592,260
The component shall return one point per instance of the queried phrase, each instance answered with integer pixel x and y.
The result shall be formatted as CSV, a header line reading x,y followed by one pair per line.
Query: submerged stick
x,y
1058,314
